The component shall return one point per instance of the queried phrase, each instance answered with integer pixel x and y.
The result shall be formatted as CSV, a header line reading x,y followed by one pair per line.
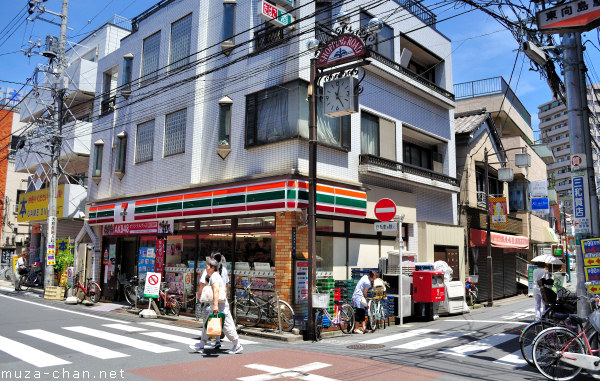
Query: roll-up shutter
x,y
510,274
498,264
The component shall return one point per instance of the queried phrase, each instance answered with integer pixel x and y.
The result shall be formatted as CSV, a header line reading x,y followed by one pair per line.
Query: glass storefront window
x,y
179,266
215,242
255,247
256,222
185,226
335,226
216,224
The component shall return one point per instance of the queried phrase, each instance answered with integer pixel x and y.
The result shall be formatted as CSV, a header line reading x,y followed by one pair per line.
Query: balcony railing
x,y
489,86
481,199
396,66
365,159
267,38
107,105
421,12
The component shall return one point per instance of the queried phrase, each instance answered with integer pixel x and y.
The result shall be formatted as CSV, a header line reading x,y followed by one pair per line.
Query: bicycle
x,y
33,277
91,290
6,272
471,292
344,319
252,310
131,289
377,309
167,304
561,354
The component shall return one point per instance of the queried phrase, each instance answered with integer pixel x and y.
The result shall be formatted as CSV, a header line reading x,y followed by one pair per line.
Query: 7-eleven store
x,y
260,228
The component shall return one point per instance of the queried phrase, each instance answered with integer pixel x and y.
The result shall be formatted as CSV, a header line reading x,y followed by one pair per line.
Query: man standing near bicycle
x,y
20,269
359,299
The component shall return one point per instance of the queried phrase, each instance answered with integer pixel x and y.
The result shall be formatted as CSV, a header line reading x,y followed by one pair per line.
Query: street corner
x,y
285,364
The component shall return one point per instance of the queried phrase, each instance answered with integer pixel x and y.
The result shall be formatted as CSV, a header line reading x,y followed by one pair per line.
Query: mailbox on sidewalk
x,y
428,286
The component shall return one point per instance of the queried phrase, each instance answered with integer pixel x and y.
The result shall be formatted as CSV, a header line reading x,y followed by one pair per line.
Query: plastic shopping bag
x,y
214,324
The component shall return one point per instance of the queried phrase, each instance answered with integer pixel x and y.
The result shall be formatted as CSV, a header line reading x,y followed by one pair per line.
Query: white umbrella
x,y
547,258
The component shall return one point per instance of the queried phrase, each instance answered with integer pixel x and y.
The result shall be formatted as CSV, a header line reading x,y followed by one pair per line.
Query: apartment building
x,y
555,133
206,148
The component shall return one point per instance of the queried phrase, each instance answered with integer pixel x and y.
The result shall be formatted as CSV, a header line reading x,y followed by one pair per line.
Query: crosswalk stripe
x,y
74,344
480,345
398,336
170,337
429,341
29,354
514,359
196,332
125,327
129,341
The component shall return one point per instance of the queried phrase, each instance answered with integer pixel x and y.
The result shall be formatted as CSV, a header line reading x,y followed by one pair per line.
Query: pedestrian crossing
x,y
104,342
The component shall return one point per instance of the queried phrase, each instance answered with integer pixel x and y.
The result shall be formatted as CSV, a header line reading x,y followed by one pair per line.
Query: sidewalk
x,y
122,308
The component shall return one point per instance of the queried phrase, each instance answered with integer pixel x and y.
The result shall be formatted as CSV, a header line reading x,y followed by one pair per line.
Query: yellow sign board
x,y
33,206
498,212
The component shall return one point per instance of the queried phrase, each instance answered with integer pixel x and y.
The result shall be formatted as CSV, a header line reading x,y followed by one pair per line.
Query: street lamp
x,y
505,175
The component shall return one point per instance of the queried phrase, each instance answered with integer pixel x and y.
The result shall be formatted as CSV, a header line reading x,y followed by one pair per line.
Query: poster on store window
x,y
159,261
146,261
301,283
112,257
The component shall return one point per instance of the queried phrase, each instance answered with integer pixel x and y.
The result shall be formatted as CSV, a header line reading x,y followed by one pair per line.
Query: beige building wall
x,y
446,235
537,171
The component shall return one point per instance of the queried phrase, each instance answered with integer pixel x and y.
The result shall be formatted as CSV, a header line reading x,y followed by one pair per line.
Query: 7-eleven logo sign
x,y
123,213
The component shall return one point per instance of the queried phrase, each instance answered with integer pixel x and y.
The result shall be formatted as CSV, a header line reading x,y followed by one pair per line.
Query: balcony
x,y
107,105
268,38
393,170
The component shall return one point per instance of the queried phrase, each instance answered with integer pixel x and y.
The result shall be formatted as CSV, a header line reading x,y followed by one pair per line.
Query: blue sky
x,y
481,47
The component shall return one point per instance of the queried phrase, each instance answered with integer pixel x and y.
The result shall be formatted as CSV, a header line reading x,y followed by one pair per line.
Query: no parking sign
x,y
152,285
70,274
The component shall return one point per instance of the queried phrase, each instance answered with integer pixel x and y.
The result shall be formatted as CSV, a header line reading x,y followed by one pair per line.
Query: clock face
x,y
338,97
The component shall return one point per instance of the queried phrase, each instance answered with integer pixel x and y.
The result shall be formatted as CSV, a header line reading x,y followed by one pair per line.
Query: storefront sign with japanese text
x,y
498,212
581,210
33,206
591,251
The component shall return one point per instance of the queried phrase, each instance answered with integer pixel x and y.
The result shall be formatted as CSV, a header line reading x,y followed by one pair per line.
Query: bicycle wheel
x,y
380,322
547,348
172,306
527,337
24,283
8,274
76,293
129,293
346,318
287,316
372,314
319,325
94,293
247,313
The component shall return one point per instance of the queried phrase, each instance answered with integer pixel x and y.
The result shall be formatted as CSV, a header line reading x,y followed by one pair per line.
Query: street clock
x,y
339,97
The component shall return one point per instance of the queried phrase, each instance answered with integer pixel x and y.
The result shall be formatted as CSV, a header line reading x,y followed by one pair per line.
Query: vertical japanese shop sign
x,y
581,209
591,263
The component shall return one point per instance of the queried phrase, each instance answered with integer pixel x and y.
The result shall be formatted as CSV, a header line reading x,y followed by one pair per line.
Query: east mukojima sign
x,y
574,16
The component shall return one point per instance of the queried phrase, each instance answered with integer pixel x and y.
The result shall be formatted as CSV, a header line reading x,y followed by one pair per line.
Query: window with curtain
x,y
418,156
150,54
175,133
98,151
121,151
382,42
333,131
144,142
228,21
181,37
369,134
224,123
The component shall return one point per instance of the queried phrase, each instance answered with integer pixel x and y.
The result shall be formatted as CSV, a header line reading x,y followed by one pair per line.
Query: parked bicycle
x,y
344,319
32,278
167,304
131,289
253,310
6,272
91,290
377,307
471,292
561,353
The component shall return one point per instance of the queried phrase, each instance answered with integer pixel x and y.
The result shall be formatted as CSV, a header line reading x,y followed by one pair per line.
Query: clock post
x,y
337,61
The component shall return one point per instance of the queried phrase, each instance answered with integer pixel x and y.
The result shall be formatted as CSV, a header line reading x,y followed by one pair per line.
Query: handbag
x,y
214,324
22,270
207,295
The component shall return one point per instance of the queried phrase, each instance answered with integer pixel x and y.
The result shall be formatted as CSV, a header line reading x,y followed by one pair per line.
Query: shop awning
x,y
479,238
550,235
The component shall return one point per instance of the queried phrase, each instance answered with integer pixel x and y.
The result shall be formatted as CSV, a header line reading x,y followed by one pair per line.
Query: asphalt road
x,y
53,341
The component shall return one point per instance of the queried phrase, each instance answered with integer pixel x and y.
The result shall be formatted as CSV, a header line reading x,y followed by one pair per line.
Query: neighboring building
x,y
555,133
34,158
489,115
13,236
206,148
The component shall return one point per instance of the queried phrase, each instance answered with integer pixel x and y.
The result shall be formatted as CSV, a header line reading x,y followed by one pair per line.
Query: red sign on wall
x,y
342,49
159,260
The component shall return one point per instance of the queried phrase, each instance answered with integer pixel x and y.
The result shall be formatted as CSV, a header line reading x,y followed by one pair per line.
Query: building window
x,y
333,131
224,121
109,85
127,73
150,54
121,154
175,132
369,134
382,42
98,151
418,156
228,31
144,142
181,37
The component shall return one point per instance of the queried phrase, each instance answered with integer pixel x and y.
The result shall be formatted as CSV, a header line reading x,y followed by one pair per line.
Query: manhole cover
x,y
365,346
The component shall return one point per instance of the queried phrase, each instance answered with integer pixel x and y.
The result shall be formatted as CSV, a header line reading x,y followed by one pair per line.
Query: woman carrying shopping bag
x,y
205,305
219,304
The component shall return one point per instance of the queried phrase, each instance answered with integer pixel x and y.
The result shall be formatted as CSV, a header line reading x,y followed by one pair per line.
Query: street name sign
x,y
390,226
275,15
574,16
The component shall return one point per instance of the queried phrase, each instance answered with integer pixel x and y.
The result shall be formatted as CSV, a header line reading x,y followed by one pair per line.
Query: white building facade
x,y
206,147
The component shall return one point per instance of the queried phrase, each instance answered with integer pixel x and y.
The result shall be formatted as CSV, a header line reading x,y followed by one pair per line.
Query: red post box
x,y
428,286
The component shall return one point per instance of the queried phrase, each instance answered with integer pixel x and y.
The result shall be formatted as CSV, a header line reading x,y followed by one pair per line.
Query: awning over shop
x,y
479,238
550,235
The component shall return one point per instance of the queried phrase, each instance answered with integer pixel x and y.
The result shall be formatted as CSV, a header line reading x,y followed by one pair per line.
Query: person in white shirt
x,y
219,304
538,274
21,263
360,292
222,270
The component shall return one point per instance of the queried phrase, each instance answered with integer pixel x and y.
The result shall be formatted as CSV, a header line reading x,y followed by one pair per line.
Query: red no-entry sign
x,y
385,209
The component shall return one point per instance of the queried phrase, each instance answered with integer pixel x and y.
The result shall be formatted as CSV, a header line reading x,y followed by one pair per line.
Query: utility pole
x,y
585,202
56,142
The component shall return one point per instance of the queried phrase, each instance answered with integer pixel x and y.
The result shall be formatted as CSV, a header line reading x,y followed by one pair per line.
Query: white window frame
x,y
174,137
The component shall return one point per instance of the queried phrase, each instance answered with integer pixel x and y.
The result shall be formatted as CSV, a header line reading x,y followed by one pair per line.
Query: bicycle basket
x,y
320,300
595,320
